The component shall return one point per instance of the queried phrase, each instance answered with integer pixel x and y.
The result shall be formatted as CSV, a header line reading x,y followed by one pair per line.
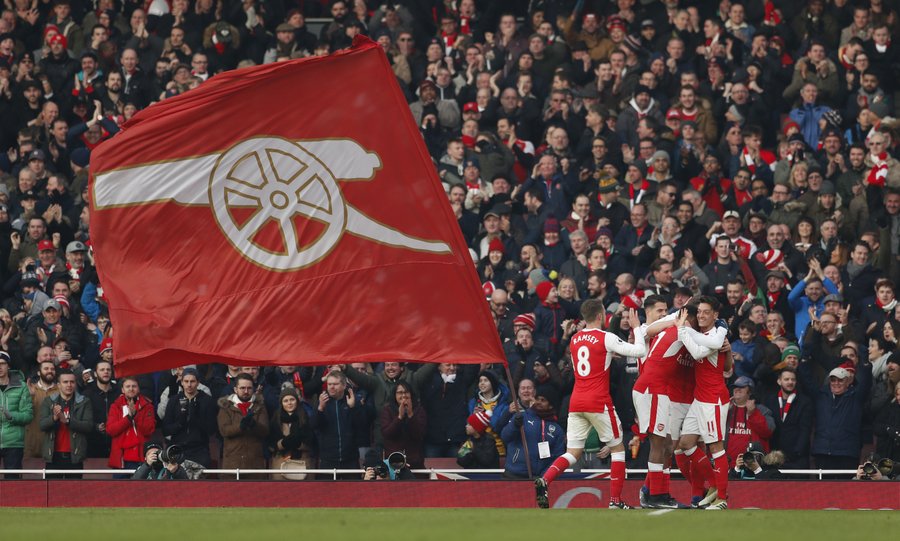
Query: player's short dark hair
x,y
591,309
711,301
655,299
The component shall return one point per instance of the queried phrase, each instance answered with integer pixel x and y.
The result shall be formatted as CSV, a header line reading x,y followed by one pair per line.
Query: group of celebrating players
x,y
680,397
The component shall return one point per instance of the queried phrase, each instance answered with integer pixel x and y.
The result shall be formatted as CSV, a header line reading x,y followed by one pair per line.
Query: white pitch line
x,y
659,512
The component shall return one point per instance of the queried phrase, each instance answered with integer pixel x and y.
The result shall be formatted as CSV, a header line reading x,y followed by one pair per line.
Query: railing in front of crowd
x,y
818,474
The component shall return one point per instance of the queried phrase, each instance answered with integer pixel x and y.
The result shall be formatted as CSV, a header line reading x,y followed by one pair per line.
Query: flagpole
x,y
512,389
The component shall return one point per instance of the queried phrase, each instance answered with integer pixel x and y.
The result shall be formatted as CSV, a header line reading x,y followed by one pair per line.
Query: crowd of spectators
x,y
589,149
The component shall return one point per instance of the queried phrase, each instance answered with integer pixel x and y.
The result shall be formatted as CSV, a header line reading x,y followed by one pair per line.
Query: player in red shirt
x,y
651,400
591,404
707,415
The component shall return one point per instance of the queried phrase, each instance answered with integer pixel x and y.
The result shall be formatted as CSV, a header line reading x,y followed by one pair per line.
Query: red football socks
x,y
559,465
721,472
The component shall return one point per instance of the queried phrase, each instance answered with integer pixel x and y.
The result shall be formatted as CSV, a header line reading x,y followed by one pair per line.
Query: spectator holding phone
x,y
335,421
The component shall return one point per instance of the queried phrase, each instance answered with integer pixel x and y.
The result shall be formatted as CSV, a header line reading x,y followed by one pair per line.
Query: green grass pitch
x,y
441,524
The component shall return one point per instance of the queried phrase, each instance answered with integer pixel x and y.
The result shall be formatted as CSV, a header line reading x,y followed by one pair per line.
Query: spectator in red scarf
x,y
244,425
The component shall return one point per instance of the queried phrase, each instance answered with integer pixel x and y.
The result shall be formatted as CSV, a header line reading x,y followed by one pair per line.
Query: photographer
x,y
161,464
878,470
190,419
754,464
392,468
747,421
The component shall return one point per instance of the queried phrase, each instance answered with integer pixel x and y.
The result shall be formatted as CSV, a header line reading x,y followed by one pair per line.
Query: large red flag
x,y
283,214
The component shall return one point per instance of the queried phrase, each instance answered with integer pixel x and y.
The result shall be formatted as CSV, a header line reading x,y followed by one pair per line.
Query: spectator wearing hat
x,y
445,402
747,421
839,407
290,434
548,315
826,207
541,427
493,224
611,213
555,249
47,327
641,106
15,414
524,353
58,65
447,110
493,267
61,18
487,410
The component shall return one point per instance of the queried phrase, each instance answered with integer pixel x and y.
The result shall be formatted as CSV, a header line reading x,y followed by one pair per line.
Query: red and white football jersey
x,y
709,368
681,384
592,351
657,369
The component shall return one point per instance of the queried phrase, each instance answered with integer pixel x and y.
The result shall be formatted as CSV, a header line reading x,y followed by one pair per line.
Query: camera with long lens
x,y
869,469
396,460
172,454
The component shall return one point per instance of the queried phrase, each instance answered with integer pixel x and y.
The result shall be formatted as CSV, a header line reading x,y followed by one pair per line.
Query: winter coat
x,y
536,430
406,435
887,432
381,388
497,414
242,448
99,443
34,437
839,418
300,439
192,425
17,401
129,433
446,407
792,433
335,428
81,423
